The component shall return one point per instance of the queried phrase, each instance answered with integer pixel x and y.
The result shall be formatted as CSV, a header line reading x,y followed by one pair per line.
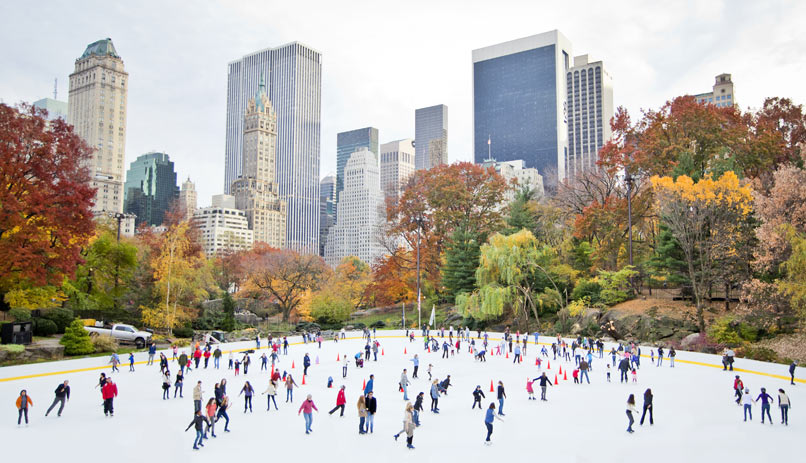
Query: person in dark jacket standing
x,y
418,407
766,403
62,396
647,406
372,408
478,394
248,391
198,421
624,367
544,381
792,368
501,396
306,362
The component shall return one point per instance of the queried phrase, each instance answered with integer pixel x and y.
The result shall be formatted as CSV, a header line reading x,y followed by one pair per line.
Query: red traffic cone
x,y
382,351
561,369
507,354
338,358
548,367
292,364
429,350
565,376
536,361
555,380
303,380
364,385
404,351
491,386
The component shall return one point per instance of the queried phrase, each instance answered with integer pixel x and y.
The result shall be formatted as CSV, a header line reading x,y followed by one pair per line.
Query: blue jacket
x,y
306,361
490,415
434,392
152,349
416,362
368,387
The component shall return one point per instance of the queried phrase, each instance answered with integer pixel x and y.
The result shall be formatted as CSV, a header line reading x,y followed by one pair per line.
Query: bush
x,y
727,330
13,348
45,327
330,309
20,314
61,317
378,324
104,343
763,354
76,340
307,326
587,288
185,331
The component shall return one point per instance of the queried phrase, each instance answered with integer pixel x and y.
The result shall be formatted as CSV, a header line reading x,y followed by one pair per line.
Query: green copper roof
x,y
101,47
261,90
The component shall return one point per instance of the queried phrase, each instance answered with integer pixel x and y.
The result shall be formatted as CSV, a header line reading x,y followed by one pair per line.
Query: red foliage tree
x,y
45,199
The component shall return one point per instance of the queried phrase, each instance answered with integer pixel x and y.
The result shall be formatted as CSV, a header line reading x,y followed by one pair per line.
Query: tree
x,y
461,261
710,220
76,340
228,307
350,280
45,218
393,280
793,284
285,276
668,263
329,308
515,273
783,204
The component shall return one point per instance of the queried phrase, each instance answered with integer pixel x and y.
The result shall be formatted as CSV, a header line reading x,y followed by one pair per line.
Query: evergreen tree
x,y
228,306
522,213
76,339
668,263
461,261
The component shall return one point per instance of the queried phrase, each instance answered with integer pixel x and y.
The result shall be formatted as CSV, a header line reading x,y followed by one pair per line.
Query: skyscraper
x,y
255,190
397,165
590,108
431,136
519,101
150,188
97,109
294,87
327,209
188,198
222,228
348,143
361,212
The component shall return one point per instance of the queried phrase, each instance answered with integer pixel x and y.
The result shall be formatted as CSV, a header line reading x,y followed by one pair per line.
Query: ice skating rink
x,y
696,418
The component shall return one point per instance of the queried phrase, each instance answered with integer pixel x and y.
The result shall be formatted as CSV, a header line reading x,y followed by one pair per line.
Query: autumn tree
x,y
285,276
784,204
710,220
393,279
45,199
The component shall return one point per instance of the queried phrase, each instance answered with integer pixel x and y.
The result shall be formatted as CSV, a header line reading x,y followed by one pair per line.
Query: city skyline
x,y
648,52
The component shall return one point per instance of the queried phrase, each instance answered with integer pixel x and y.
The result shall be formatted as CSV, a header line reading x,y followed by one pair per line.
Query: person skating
x,y
115,361
217,358
109,392
23,402
404,384
179,384
408,425
429,371
784,404
372,409
197,396
672,355
222,412
792,368
306,362
370,384
341,400
416,362
501,396
583,371
131,361
488,421
478,394
418,407
624,367
630,411
530,391
660,356
346,362
517,356
197,422
747,401
544,382
248,391
152,351
766,402
435,397
62,393
647,407
445,384
289,388
306,409
362,414
183,361
166,385
738,386
211,408
271,391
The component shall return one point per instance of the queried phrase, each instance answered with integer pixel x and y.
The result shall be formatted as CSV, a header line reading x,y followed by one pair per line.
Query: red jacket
x,y
197,354
340,399
109,391
207,354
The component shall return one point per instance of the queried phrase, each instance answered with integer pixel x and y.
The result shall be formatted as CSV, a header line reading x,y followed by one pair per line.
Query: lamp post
x,y
629,180
119,217
419,222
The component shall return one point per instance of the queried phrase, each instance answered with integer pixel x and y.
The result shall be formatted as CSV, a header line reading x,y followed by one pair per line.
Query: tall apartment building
x,y
431,136
223,228
97,109
525,177
150,189
188,198
55,108
520,101
255,191
348,143
590,109
327,209
397,166
721,94
361,212
294,87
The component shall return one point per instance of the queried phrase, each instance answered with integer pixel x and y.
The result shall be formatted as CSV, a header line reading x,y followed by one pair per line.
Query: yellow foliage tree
x,y
710,220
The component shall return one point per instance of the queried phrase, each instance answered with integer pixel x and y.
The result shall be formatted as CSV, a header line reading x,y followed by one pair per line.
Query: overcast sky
x,y
383,59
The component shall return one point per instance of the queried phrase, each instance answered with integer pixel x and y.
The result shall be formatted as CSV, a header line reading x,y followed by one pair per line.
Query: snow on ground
x,y
695,416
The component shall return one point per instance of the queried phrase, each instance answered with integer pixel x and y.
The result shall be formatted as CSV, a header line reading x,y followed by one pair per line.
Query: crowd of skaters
x,y
583,351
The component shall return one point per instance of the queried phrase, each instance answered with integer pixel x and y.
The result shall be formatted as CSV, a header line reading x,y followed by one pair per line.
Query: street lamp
x,y
119,217
420,224
629,180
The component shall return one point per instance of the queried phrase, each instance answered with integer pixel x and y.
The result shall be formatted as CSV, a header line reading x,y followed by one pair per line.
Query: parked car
x,y
121,332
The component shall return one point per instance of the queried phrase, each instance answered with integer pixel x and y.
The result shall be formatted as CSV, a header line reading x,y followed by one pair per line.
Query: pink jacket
x,y
307,406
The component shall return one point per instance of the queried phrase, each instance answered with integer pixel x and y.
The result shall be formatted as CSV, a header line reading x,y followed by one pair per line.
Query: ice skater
x,y
271,392
435,397
747,401
784,404
766,402
792,368
179,384
408,425
372,409
488,421
630,411
362,414
131,361
23,402
222,412
306,409
738,386
109,392
197,396
197,422
501,396
530,392
166,385
289,388
647,407
211,408
341,400
478,394
62,393
404,384
248,391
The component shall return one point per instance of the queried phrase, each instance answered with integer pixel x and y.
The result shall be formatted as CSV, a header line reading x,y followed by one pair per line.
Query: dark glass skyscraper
x,y
150,188
348,143
519,101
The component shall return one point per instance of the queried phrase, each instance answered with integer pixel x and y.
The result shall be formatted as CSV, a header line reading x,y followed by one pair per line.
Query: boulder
x,y
690,339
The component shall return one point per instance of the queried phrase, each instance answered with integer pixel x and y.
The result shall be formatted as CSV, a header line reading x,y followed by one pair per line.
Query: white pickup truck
x,y
121,332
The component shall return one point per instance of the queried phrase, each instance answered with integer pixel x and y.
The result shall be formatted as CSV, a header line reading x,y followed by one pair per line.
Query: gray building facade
x,y
150,189
430,136
348,143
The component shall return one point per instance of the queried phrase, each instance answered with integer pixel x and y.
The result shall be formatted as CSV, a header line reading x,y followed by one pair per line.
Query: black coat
x,y
478,394
372,405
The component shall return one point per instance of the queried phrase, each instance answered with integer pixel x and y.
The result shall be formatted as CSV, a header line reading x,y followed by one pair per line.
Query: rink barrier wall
x,y
125,364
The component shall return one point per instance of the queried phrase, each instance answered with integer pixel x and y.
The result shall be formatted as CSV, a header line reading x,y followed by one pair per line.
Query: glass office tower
x,y
348,143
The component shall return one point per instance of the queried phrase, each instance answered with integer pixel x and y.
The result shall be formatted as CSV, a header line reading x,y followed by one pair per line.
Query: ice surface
x,y
695,416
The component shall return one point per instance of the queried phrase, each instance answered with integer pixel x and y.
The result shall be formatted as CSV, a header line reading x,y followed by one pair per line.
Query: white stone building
x,y
397,165
526,177
722,93
188,198
223,228
361,212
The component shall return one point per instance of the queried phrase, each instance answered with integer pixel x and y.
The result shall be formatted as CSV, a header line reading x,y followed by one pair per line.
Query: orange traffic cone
x,y
507,354
338,358
561,369
292,364
491,386
303,380
429,350
555,379
382,351
565,376
364,386
549,365
404,351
